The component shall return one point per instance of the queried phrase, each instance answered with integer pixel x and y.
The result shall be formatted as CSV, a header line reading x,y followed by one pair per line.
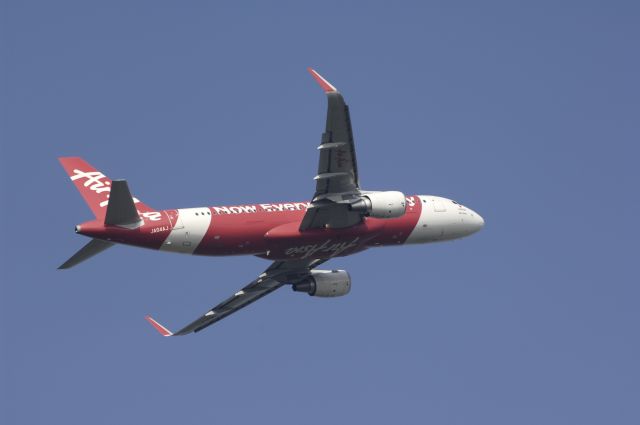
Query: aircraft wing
x,y
337,184
278,274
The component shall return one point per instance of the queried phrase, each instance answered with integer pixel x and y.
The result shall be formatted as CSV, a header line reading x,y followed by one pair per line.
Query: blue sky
x,y
526,112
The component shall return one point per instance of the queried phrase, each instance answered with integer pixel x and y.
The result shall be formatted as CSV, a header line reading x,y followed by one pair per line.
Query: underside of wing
x,y
278,274
337,184
329,214
337,168
250,293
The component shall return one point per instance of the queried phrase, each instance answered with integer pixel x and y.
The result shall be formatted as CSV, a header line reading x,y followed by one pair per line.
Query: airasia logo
x,y
94,183
333,249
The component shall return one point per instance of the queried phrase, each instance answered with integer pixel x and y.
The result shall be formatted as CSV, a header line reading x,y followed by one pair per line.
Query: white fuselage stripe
x,y
187,233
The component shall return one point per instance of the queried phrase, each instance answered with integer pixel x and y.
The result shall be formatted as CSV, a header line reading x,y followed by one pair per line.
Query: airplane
x,y
341,219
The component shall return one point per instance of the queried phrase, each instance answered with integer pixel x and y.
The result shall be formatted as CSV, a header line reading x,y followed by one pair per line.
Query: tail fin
x,y
94,186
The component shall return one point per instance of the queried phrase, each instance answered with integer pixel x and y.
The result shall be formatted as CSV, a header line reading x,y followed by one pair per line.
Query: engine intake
x,y
389,204
325,283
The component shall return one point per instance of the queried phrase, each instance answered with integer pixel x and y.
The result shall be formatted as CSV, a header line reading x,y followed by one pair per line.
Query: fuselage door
x,y
438,205
175,219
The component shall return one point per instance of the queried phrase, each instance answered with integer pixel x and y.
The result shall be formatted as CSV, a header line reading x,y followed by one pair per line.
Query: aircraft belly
x,y
286,242
242,234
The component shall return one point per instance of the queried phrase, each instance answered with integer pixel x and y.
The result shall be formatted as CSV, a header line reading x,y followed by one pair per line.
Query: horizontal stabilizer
x,y
95,246
121,210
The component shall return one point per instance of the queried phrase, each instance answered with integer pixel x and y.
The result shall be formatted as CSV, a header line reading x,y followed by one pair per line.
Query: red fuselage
x,y
266,230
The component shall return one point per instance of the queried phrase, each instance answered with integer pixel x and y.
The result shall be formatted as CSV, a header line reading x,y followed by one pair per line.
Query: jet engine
x,y
325,283
390,204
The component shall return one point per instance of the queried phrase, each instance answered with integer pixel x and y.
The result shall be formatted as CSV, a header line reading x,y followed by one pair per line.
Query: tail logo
x,y
94,182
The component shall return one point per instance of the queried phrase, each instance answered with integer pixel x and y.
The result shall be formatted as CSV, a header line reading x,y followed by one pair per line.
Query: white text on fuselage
x,y
334,249
248,209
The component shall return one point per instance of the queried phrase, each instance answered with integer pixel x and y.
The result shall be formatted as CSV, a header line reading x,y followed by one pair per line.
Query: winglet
x,y
163,331
326,86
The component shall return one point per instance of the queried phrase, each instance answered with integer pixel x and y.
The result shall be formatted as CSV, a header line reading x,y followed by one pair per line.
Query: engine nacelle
x,y
389,204
325,283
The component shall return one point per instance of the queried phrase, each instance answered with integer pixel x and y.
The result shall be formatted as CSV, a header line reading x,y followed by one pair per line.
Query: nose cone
x,y
476,222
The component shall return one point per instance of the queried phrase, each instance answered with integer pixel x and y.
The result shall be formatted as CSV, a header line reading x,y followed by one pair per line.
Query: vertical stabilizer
x,y
93,185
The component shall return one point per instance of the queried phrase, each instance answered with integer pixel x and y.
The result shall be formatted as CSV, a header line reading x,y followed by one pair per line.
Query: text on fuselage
x,y
249,209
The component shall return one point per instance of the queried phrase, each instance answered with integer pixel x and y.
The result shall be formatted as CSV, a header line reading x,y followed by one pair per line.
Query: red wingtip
x,y
163,331
326,86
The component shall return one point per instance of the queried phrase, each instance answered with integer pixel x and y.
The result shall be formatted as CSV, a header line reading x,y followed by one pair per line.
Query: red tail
x,y
93,186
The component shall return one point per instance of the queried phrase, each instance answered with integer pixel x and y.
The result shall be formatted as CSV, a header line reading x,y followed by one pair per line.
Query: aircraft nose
x,y
476,222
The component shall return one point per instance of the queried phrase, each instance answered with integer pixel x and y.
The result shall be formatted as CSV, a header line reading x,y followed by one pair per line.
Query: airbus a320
x,y
341,219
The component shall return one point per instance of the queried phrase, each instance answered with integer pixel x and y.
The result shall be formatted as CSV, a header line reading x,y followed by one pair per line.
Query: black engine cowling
x,y
325,283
